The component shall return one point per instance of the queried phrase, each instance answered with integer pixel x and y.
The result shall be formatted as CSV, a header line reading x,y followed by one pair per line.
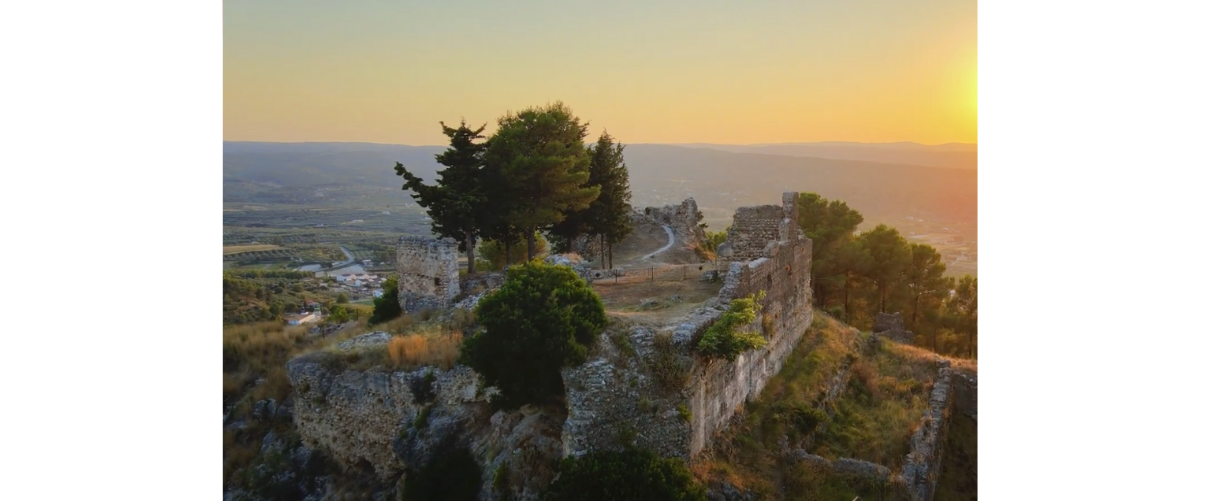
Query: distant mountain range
x,y
957,155
882,180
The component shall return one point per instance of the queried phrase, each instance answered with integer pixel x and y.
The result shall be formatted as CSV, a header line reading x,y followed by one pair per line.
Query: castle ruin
x,y
601,395
428,276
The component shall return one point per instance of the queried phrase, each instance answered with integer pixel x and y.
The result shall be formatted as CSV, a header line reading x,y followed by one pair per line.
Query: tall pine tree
x,y
925,279
889,260
609,215
457,202
540,161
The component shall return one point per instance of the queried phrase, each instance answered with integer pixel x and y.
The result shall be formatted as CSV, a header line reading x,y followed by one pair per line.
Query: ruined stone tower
x,y
427,273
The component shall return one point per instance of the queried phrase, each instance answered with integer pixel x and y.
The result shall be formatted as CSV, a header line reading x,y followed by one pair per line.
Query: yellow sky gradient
x,y
673,72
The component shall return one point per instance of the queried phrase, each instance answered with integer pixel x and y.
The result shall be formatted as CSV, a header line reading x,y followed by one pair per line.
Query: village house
x,y
301,318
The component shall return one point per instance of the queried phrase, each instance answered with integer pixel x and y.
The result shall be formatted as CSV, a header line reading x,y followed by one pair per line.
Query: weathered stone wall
x,y
923,463
482,281
891,326
427,274
753,227
613,398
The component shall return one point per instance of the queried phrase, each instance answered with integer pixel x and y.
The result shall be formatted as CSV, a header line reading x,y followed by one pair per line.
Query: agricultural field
x,y
278,255
239,249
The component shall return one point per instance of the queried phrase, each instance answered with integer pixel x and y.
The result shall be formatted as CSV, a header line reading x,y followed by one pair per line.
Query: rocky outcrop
x,y
394,422
575,262
683,219
355,416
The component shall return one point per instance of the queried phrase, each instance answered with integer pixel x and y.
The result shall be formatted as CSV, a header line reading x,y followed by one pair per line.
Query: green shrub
x,y
634,475
804,419
669,370
542,319
420,421
386,307
727,338
684,413
501,482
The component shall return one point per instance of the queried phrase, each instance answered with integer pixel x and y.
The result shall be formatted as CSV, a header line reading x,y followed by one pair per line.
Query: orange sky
x,y
674,72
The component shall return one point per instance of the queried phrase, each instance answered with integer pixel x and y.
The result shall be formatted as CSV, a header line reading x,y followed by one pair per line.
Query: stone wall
x,y
753,227
615,398
923,463
427,274
891,326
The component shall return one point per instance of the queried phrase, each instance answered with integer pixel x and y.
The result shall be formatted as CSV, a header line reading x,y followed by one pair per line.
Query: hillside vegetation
x,y
878,409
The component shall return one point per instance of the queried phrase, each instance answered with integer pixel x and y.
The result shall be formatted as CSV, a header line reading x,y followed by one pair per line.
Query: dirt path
x,y
668,232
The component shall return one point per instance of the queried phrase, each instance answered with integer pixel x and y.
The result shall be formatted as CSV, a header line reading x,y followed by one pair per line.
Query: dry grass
x,y
888,392
964,364
626,297
439,349
813,481
253,369
235,249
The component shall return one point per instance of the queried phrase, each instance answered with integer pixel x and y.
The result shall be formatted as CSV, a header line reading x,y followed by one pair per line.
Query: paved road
x,y
667,246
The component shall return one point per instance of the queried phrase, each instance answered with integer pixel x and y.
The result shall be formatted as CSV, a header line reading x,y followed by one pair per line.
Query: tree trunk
x,y
507,256
847,312
531,244
611,253
472,256
915,308
569,245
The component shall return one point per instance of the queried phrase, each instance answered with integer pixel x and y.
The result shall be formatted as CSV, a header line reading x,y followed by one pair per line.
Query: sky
x,y
672,71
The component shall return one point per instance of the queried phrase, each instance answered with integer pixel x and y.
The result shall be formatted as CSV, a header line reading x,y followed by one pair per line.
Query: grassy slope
x,y
875,416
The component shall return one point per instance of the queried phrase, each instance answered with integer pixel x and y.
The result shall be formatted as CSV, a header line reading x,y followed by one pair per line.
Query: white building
x,y
304,318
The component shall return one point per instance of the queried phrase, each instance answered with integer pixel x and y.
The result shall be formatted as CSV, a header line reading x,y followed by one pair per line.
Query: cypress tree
x,y
457,203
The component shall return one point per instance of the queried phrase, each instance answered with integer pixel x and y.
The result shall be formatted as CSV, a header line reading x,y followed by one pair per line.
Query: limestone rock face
x,y
579,265
355,416
683,219
396,422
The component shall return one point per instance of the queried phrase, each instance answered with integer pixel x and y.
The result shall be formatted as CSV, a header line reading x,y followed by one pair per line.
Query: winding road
x,y
668,232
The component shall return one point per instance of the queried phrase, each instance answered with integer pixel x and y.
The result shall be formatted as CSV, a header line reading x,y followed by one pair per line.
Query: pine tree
x,y
890,258
925,278
609,217
830,225
539,159
457,203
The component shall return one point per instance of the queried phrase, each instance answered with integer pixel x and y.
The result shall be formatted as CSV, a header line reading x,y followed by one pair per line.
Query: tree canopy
x,y
830,226
538,159
542,319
